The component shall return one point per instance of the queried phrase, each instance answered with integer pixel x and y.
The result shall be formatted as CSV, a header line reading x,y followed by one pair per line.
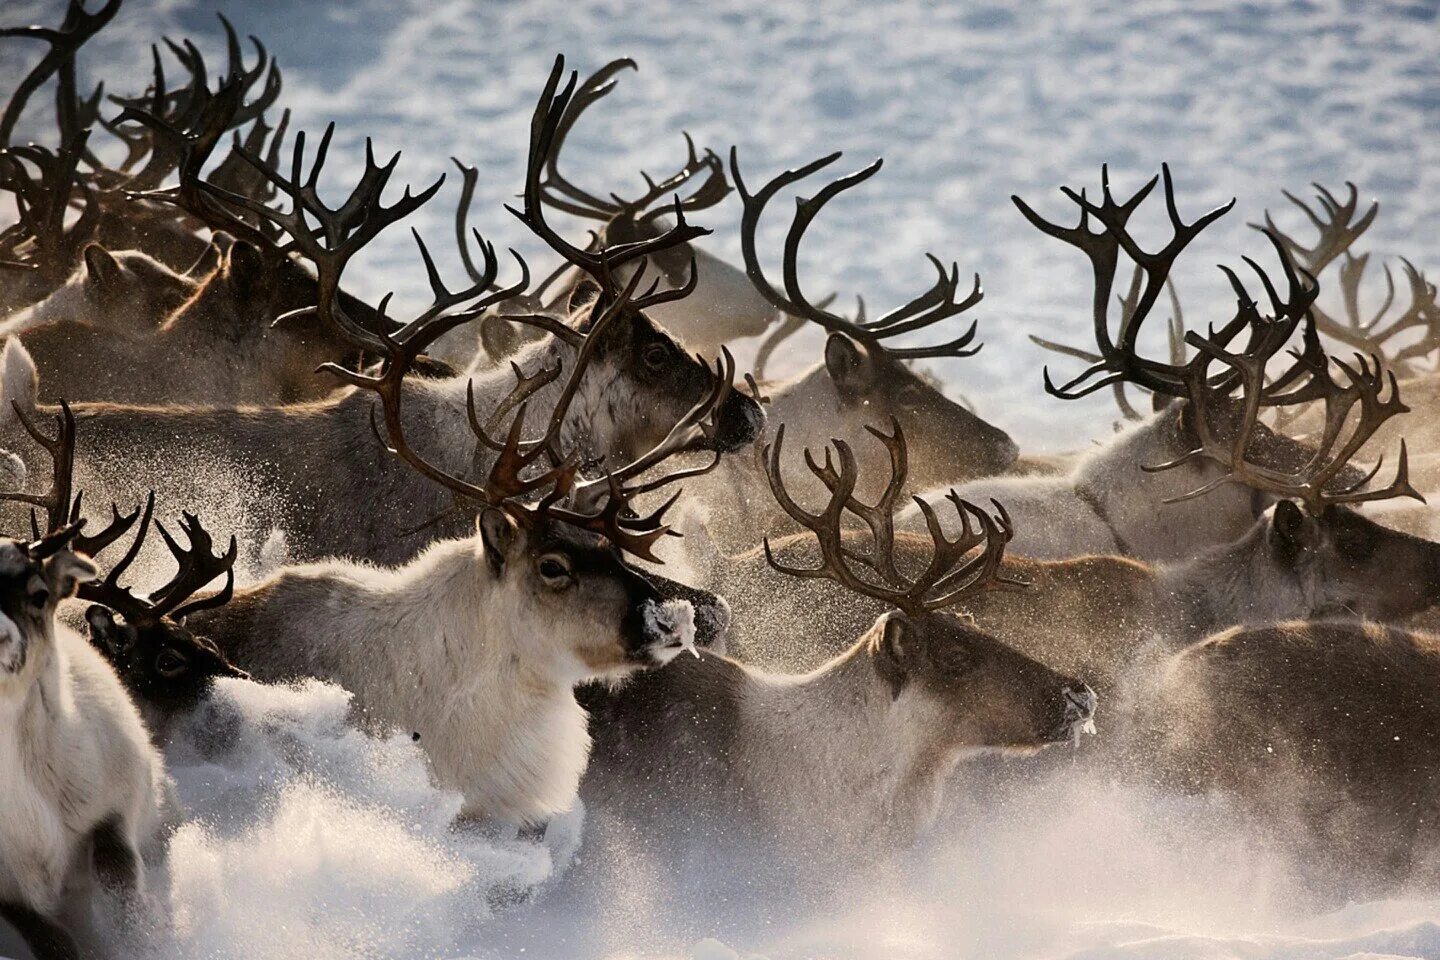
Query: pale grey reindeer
x,y
83,784
1111,500
723,306
865,375
301,460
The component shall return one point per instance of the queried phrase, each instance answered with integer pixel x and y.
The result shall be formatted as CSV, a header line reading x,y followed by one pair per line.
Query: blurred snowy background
x,y
968,103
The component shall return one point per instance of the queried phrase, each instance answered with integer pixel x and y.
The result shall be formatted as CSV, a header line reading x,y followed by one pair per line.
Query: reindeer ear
x,y
582,295
497,533
892,651
849,364
244,269
101,268
66,571
106,632
1292,533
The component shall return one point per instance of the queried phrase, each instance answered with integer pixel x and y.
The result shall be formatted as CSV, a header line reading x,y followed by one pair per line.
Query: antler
x,y
931,307
62,505
547,128
77,27
1313,483
1119,361
42,201
1175,329
948,578
1338,229
561,194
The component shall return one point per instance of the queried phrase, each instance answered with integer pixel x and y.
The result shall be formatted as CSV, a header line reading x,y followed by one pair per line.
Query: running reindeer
x,y
477,643
1105,617
874,734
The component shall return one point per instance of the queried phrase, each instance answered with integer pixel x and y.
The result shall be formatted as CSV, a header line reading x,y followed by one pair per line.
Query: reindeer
x,y
125,291
82,782
723,306
476,644
873,734
1109,503
165,667
863,375
1327,731
332,503
1102,617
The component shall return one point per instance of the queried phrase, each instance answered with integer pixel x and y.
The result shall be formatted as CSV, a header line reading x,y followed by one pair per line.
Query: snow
x,y
307,838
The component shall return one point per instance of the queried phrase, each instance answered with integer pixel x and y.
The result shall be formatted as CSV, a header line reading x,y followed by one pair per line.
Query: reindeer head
x,y
936,667
869,375
34,578
126,292
586,604
985,695
162,662
230,324
641,381
1338,562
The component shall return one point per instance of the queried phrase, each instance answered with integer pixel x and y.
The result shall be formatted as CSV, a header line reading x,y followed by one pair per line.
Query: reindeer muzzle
x,y
665,629
1077,714
741,420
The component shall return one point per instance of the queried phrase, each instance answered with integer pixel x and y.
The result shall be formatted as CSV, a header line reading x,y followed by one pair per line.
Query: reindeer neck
x,y
1224,586
838,733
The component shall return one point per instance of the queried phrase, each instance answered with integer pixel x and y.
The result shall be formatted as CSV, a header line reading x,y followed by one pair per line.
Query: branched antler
x,y
77,27
62,505
1323,479
1416,328
955,571
602,262
940,302
1119,361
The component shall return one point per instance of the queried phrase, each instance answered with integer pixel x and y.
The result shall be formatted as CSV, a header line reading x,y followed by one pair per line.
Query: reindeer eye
x,y
656,356
170,664
38,598
555,570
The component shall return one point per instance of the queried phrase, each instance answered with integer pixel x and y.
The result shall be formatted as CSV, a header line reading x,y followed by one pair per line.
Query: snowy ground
x,y
968,104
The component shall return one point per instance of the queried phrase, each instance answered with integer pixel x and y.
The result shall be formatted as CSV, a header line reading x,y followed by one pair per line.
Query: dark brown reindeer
x,y
164,665
1328,732
722,307
873,734
864,375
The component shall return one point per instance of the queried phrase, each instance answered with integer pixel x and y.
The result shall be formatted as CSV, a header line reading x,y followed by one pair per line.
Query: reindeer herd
x,y
459,516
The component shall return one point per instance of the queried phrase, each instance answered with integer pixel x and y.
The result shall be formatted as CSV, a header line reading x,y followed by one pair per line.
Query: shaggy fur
x,y
78,769
469,647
